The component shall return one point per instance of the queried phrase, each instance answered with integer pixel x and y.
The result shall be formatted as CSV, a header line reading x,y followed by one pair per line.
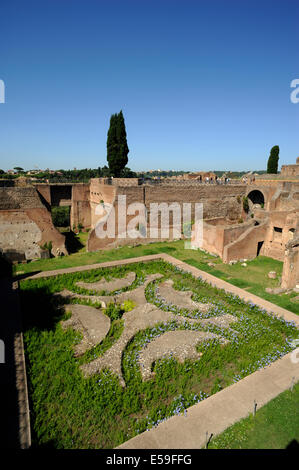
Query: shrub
x,y
272,165
47,246
245,204
128,305
61,216
114,311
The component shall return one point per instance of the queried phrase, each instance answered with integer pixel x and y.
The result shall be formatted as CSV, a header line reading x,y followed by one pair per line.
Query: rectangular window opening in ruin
x,y
291,233
259,247
277,234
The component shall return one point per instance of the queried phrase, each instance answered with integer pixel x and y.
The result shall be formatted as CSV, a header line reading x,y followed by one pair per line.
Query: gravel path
x,y
91,322
180,343
182,299
109,286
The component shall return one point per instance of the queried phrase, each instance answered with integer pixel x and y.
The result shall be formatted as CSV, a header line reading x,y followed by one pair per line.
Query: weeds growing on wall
x,y
71,411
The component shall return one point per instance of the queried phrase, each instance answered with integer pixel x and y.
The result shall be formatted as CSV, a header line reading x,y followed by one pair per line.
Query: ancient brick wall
x,y
26,224
18,232
125,181
25,231
42,218
218,201
19,198
80,208
99,192
218,234
61,194
290,273
5,183
246,246
281,227
45,193
290,170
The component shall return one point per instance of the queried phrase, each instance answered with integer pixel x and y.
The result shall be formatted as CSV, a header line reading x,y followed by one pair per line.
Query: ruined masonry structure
x,y
270,227
26,224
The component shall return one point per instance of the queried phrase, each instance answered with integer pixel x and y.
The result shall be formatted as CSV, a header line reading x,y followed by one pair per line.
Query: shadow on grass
x,y
168,249
20,277
40,309
293,445
5,267
72,243
51,444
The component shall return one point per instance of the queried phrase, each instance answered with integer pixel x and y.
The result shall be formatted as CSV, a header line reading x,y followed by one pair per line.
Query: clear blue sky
x,y
202,84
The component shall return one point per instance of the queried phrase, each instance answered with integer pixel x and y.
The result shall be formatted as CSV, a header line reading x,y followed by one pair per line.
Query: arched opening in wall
x,y
61,216
259,247
256,197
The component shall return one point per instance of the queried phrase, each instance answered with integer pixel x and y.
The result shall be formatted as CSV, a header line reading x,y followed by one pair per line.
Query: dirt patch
x,y
91,322
102,300
182,299
109,286
180,343
222,321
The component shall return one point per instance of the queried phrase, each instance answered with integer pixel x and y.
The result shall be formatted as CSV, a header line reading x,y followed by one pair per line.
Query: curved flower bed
x,y
71,411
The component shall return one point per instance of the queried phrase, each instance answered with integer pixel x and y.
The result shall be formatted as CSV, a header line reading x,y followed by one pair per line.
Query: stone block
x,y
272,275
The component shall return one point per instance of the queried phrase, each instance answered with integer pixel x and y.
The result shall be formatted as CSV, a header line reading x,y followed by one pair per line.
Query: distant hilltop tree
x,y
272,166
117,147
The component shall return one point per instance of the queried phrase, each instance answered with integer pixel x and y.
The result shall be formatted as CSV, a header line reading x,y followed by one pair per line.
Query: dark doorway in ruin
x,y
256,197
61,195
72,242
259,247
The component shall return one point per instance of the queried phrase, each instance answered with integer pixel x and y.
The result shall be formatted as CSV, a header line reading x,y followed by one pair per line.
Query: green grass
x,y
82,237
253,278
274,426
70,411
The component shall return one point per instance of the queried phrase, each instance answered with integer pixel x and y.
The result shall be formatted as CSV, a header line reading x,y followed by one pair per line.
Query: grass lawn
x,y
82,238
274,426
253,278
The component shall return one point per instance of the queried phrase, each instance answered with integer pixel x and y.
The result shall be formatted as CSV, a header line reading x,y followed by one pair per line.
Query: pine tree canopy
x,y
117,147
272,166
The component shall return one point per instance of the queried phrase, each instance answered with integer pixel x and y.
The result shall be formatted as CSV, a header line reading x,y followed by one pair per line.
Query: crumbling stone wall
x,y
26,224
218,201
290,170
80,208
19,233
19,198
246,245
217,235
290,273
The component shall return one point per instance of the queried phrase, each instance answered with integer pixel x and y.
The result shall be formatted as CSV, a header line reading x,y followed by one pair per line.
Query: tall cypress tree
x,y
117,147
272,166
